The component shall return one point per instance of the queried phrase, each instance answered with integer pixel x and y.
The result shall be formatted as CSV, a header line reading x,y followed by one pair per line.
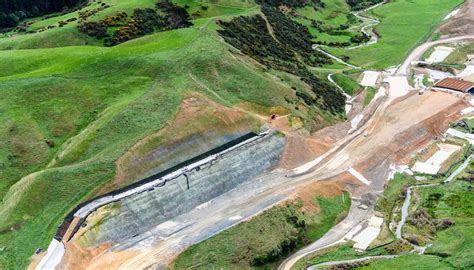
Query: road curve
x,y
355,217
333,237
371,22
416,54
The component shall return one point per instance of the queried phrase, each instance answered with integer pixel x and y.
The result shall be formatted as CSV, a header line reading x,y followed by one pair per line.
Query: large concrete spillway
x,y
141,212
158,198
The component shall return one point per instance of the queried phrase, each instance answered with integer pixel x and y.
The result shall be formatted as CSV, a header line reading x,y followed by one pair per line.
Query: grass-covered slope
x,y
68,113
404,24
444,215
265,239
79,108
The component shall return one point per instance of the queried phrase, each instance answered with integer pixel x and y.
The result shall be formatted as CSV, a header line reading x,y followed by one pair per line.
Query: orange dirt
x,y
35,260
399,148
70,230
328,188
427,152
77,257
406,126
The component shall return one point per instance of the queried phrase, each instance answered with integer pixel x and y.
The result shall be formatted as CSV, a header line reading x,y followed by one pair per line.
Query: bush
x,y
251,36
94,29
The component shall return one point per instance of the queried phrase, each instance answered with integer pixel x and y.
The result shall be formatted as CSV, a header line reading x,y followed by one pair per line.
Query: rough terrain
x,y
461,22
406,124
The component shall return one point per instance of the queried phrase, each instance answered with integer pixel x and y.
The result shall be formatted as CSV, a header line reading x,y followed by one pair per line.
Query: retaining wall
x,y
141,212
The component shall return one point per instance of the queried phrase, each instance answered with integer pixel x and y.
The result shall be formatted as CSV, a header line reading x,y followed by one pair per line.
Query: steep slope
x,y
70,113
12,12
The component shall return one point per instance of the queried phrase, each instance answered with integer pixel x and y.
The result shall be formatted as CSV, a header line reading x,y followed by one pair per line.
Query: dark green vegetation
x,y
332,23
346,252
465,125
393,196
362,4
459,56
70,107
449,216
441,215
168,16
410,261
389,203
444,216
265,239
13,11
282,50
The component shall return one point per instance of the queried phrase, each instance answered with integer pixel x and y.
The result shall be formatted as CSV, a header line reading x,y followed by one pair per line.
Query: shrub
x,y
94,29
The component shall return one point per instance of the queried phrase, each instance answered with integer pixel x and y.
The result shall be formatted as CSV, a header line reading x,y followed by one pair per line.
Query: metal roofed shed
x,y
455,84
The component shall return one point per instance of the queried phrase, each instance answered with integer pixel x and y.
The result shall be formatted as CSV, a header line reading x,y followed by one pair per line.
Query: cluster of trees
x,y
175,16
362,4
289,244
290,51
291,3
167,16
14,11
339,31
423,220
250,35
360,38
143,21
94,29
334,43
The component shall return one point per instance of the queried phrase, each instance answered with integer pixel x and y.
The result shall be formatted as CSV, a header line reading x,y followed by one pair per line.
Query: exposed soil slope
x,y
462,23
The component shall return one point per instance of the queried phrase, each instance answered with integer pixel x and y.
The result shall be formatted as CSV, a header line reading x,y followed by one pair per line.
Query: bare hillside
x,y
461,23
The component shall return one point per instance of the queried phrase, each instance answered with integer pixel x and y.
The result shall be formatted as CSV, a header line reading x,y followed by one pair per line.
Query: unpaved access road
x,y
416,54
403,125
157,249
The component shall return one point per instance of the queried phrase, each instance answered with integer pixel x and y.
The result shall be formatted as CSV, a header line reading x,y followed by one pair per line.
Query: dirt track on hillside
x,y
408,124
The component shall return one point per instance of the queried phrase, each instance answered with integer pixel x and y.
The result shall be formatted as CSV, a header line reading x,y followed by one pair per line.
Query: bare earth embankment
x,y
394,133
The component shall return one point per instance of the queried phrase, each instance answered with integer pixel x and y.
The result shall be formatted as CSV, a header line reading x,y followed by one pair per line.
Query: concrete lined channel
x,y
177,177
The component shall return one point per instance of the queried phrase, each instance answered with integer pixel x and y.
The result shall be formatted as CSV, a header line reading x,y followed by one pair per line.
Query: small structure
x,y
370,78
455,85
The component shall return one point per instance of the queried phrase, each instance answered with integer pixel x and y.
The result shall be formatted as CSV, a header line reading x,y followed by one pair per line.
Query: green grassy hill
x,y
70,107
69,110
404,25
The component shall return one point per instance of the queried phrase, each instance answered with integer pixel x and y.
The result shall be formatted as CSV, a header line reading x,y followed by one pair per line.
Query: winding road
x,y
417,53
273,188
337,234
405,213
369,24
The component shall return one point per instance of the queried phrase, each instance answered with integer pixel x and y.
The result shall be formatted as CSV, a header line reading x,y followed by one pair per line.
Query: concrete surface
x,y
141,212
369,234
56,250
417,53
370,78
439,54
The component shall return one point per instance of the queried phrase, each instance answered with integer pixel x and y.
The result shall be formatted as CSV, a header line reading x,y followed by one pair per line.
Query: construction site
x,y
152,225
404,128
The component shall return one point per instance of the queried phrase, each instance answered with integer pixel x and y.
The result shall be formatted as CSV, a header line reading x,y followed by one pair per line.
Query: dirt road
x,y
404,125
416,54
370,156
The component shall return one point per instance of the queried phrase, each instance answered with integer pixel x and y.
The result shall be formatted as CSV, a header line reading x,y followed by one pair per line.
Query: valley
x,y
135,142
